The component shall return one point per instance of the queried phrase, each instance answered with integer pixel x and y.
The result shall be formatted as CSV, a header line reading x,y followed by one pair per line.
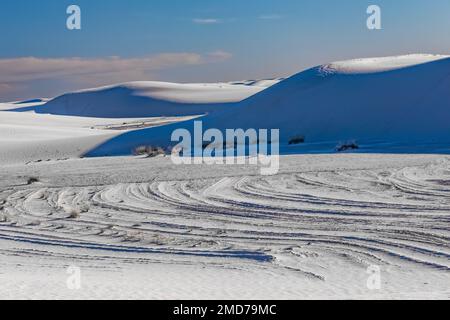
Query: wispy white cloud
x,y
19,73
32,68
206,21
219,55
270,17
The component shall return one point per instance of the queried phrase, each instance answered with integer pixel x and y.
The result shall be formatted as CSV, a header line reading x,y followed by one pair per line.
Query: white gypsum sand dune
x,y
401,98
151,99
380,64
148,229
397,104
41,129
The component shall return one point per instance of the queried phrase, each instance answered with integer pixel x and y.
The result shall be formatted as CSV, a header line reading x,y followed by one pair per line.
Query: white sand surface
x,y
148,229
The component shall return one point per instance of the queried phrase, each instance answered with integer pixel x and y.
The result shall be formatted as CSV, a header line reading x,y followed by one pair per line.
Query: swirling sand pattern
x,y
299,221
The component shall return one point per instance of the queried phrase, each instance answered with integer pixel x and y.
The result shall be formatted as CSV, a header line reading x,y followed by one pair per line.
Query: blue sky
x,y
200,40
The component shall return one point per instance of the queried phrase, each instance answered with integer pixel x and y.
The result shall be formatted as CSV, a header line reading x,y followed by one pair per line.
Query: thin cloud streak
x,y
206,21
19,73
270,17
32,68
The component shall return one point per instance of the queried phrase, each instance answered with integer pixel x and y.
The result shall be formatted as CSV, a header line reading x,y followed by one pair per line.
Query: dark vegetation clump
x,y
297,140
32,180
149,151
347,146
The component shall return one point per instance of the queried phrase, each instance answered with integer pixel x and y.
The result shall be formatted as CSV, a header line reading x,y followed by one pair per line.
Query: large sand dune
x,y
395,104
392,104
150,99
72,124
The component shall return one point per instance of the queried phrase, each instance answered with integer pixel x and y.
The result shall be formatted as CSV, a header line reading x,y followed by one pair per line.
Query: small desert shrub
x,y
149,151
297,140
351,145
32,180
